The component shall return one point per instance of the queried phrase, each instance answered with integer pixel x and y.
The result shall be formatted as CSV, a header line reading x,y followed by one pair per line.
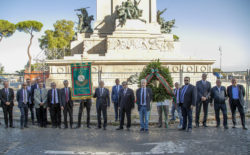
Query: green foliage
x,y
56,43
159,92
176,38
29,26
1,69
6,29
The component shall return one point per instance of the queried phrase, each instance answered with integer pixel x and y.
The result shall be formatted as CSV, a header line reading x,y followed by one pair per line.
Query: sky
x,y
202,25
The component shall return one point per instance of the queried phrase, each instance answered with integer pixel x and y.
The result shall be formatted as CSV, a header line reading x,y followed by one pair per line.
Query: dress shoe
x,y
205,125
159,126
98,127
217,126
120,128
12,126
225,127
182,129
22,128
244,128
26,126
146,130
128,129
53,127
197,125
6,127
104,128
234,126
88,127
141,129
189,130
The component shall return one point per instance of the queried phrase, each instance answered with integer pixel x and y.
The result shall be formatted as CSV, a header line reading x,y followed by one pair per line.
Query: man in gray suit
x,y
102,102
40,100
67,104
236,94
219,96
188,98
203,90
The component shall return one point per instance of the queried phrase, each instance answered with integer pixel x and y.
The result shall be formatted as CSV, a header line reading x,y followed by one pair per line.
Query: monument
x,y
126,36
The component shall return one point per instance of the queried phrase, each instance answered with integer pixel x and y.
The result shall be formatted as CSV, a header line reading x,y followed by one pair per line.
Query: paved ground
x,y
93,141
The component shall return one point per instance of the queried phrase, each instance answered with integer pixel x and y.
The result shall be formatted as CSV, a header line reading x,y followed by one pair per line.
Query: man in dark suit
x,y
188,98
7,102
126,102
86,103
102,102
22,98
115,97
144,96
67,104
219,95
236,94
32,105
54,100
203,89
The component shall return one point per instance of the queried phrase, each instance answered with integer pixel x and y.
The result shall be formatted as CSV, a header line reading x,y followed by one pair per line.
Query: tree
x,y
6,29
56,43
159,91
1,69
29,27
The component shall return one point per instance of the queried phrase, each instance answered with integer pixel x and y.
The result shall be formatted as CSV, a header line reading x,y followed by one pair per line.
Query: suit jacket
x,y
38,98
49,97
4,97
20,97
203,90
189,97
219,97
115,93
126,101
103,99
149,98
63,97
241,94
33,87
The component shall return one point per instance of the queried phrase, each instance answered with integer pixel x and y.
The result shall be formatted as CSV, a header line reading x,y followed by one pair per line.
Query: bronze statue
x,y
84,21
166,26
129,10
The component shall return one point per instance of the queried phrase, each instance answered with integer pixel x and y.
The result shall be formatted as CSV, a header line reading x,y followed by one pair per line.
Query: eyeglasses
x,y
186,80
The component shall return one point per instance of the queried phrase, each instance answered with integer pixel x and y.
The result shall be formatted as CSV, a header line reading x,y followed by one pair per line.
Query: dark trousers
x,y
55,114
198,111
87,105
42,112
223,108
68,109
187,116
31,108
124,111
236,104
24,115
8,115
117,111
102,109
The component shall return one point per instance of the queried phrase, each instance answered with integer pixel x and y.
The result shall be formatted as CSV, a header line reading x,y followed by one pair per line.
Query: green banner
x,y
81,81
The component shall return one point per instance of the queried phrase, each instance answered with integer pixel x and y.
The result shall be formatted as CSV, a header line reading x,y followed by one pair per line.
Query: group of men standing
x,y
187,97
201,95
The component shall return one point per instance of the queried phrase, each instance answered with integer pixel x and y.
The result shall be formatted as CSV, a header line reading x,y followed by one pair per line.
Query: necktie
x,y
7,94
125,90
67,95
54,100
142,96
25,97
41,95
